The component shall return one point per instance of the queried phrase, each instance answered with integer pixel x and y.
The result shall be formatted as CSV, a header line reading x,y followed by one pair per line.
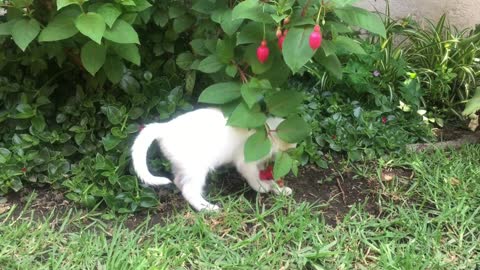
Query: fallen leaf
x,y
388,176
454,181
473,125
4,208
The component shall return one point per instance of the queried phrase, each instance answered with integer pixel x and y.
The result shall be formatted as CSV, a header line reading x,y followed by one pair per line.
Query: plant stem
x,y
318,15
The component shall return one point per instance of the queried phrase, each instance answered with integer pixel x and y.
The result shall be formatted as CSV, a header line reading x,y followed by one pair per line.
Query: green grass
x,y
429,222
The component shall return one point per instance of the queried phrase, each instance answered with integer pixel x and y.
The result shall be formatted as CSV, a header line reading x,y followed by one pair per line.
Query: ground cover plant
x,y
426,215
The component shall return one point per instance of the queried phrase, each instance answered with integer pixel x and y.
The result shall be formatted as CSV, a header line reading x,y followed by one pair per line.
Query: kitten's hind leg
x,y
192,189
250,172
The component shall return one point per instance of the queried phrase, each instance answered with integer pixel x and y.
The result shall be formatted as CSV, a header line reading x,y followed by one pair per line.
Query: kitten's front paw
x,y
286,191
211,208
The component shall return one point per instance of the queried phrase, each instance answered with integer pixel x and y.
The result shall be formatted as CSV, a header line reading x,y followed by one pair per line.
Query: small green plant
x,y
445,59
376,108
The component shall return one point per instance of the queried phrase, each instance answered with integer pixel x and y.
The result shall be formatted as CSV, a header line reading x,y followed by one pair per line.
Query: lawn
x,y
417,211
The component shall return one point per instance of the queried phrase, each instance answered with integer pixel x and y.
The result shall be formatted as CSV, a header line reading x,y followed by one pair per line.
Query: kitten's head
x,y
277,143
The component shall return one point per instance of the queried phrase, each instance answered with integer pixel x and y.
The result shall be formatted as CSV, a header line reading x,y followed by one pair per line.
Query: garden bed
x,y
333,194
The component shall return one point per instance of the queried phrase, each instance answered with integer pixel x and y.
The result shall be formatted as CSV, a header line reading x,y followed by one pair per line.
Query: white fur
x,y
198,142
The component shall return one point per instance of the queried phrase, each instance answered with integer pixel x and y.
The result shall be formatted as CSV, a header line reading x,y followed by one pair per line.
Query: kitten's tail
x,y
139,154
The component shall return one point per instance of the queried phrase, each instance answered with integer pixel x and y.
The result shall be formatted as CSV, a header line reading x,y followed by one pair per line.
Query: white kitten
x,y
196,143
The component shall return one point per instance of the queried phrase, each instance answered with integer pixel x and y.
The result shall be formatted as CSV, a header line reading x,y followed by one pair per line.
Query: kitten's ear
x,y
280,145
274,122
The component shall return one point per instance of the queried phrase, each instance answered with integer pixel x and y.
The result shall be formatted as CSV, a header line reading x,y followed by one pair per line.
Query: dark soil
x,y
323,187
453,133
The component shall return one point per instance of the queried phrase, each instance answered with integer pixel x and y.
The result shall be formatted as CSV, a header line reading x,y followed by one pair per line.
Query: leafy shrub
x,y
364,114
80,140
85,53
445,59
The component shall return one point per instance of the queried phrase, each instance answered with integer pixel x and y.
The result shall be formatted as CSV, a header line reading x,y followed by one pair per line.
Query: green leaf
x,y
109,13
6,28
225,50
91,25
198,47
257,145
24,111
229,25
283,165
21,3
5,155
220,93
349,45
331,63
253,91
204,6
473,105
244,117
64,3
284,102
190,79
251,33
362,18
160,18
113,113
296,48
182,23
38,122
128,52
114,69
140,5
129,84
231,70
328,47
127,182
210,64
176,10
185,60
293,130
254,10
122,32
93,57
109,142
135,113
148,202
59,28
24,31
278,74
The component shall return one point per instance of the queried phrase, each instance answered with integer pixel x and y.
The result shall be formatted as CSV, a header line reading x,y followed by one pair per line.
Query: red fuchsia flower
x,y
315,38
281,39
280,42
263,52
24,170
384,120
279,32
266,174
